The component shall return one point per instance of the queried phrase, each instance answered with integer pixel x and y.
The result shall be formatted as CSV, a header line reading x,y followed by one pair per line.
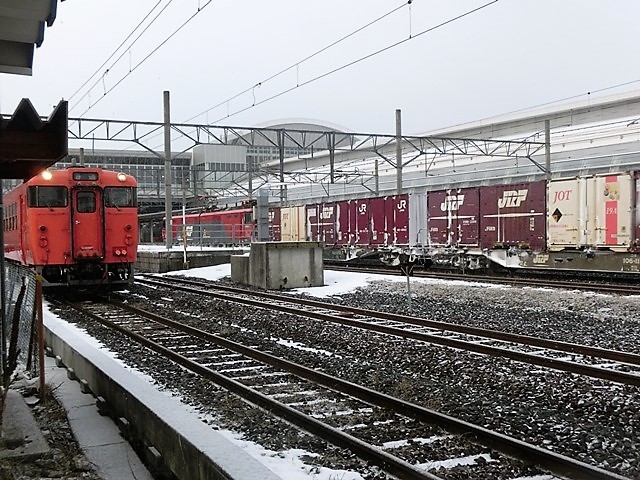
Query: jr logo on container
x,y
452,202
512,198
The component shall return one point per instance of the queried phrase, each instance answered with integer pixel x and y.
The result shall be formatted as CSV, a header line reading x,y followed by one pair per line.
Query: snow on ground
x,y
335,282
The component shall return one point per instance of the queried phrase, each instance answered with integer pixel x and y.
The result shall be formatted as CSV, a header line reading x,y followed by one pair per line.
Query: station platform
x,y
98,436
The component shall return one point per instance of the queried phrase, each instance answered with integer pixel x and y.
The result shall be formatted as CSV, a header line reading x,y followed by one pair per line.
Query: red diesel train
x,y
75,227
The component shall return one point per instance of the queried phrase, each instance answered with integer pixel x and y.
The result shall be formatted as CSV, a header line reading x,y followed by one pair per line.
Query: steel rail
x,y
556,364
391,464
546,459
538,282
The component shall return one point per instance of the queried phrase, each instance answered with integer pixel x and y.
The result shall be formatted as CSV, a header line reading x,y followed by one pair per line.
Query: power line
x,y
118,48
326,74
354,62
200,9
298,63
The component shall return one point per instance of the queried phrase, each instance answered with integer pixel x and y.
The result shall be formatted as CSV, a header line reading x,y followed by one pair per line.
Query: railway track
x,y
379,428
613,365
577,283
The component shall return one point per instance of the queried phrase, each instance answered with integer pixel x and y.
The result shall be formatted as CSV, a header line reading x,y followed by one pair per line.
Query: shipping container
x,y
362,222
453,217
397,219
292,224
418,232
594,211
274,224
344,223
610,221
513,215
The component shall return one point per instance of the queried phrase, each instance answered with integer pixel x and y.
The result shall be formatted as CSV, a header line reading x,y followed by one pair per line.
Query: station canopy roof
x,y
28,144
22,24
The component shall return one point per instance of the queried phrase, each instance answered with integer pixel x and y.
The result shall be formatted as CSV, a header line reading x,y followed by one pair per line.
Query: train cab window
x,y
86,202
120,197
40,196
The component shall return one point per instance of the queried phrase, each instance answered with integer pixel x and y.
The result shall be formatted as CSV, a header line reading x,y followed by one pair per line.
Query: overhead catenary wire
x,y
295,65
354,62
160,45
118,48
299,62
349,64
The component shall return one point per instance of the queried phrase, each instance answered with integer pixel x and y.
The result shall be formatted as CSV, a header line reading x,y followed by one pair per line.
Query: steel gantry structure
x,y
326,156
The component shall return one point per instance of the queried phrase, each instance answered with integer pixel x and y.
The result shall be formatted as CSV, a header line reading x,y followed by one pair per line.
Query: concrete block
x,y
284,265
240,269
84,386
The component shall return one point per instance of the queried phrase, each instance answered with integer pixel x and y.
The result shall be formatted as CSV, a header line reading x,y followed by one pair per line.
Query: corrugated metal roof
x,y
22,24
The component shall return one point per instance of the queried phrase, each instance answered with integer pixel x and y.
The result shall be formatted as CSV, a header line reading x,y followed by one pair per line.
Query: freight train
x,y
75,227
581,223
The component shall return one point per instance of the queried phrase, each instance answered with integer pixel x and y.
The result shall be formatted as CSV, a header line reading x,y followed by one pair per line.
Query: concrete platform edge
x,y
191,449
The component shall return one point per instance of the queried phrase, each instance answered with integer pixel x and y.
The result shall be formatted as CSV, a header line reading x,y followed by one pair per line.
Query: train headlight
x,y
47,175
122,177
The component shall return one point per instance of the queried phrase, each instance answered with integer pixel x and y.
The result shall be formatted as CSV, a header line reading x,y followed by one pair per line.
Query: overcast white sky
x,y
511,55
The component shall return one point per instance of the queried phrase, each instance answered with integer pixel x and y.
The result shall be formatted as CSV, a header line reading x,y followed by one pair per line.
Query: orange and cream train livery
x,y
76,227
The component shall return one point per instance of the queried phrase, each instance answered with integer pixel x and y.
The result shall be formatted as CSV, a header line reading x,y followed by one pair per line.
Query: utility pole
x,y
167,172
547,147
398,152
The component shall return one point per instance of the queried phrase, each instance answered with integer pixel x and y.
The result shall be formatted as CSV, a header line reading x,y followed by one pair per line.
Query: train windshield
x,y
120,197
40,196
86,202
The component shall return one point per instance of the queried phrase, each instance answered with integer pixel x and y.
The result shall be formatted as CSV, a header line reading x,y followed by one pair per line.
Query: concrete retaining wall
x,y
162,262
191,449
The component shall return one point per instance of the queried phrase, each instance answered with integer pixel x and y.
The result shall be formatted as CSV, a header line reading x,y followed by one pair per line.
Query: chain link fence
x,y
20,319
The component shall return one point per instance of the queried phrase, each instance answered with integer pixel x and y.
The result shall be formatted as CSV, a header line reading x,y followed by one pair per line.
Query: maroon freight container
x,y
312,222
453,217
400,224
344,225
513,215
378,215
363,225
274,224
636,239
327,223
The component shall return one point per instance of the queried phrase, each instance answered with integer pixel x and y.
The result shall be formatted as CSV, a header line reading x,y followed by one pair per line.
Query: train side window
x,y
40,196
86,202
120,197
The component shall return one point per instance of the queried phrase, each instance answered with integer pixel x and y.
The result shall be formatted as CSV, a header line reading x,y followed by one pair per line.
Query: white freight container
x,y
590,212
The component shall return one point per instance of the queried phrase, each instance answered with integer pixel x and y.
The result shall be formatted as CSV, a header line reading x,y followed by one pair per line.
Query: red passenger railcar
x,y
77,227
222,227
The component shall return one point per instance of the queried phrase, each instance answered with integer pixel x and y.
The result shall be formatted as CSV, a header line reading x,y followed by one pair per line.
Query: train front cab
x,y
82,231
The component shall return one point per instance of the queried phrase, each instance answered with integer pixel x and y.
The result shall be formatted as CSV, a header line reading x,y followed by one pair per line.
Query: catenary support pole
x,y
547,147
398,152
167,172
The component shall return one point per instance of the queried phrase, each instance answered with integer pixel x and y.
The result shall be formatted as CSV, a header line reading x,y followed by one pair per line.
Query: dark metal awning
x,y
28,145
22,24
